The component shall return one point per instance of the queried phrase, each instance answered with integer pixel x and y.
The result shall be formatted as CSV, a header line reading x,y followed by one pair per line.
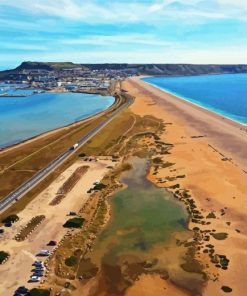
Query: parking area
x,y
23,268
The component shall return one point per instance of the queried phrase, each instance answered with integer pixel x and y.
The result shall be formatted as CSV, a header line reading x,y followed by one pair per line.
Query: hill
x,y
50,66
137,69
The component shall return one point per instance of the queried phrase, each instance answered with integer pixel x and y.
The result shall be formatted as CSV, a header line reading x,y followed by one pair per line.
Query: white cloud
x,y
109,40
59,20
127,12
177,54
21,46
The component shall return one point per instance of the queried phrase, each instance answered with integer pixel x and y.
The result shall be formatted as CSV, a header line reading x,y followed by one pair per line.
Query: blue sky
x,y
137,31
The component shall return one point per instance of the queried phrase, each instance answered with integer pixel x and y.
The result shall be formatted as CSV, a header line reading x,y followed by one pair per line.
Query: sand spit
x,y
223,133
210,158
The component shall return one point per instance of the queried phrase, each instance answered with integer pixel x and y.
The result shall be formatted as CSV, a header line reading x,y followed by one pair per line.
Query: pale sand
x,y
225,133
17,270
148,284
214,184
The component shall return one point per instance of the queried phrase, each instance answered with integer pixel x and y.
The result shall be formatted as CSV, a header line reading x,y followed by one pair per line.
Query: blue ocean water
x,y
222,94
25,117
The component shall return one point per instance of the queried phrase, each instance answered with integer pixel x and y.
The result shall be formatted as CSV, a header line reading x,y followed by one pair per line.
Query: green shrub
x,y
157,160
99,186
10,219
71,261
226,289
76,222
220,235
3,256
39,292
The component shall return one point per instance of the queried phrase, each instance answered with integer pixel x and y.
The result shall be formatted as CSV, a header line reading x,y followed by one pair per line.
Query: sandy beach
x,y
229,136
210,152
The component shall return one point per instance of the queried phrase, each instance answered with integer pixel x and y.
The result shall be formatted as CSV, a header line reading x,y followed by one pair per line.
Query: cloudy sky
x,y
137,31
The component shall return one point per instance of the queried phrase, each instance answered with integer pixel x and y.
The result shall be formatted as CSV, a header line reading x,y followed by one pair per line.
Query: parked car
x,y
8,224
38,263
34,279
44,253
52,243
72,214
38,268
1,231
38,273
22,290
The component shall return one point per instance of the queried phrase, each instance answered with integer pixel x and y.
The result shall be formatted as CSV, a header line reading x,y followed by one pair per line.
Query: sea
x,y
22,118
223,94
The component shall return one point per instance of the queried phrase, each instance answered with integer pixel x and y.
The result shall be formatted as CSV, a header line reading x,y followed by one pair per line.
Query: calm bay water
x,y
25,117
222,94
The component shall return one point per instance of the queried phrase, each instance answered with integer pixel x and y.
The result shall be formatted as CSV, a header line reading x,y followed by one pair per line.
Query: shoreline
x,y
209,124
58,129
196,104
194,75
216,185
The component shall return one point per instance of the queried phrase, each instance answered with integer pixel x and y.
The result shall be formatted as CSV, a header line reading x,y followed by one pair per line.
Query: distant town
x,y
96,78
74,79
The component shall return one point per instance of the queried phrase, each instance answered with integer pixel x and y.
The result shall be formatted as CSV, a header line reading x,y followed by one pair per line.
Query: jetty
x,y
13,96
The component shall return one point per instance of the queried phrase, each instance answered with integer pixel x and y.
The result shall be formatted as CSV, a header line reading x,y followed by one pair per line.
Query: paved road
x,y
38,177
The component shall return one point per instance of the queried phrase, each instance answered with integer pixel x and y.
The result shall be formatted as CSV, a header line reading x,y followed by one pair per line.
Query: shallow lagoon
x,y
142,235
25,117
143,214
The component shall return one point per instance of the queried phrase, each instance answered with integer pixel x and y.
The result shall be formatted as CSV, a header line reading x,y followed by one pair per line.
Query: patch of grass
x,y
211,216
3,256
192,265
157,160
71,261
109,136
226,289
76,222
220,235
167,165
39,292
174,186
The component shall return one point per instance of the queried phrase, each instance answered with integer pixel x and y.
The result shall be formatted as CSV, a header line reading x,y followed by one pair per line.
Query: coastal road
x,y
38,177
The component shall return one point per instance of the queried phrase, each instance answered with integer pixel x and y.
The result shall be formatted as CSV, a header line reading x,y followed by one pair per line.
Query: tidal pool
x,y
143,215
142,236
